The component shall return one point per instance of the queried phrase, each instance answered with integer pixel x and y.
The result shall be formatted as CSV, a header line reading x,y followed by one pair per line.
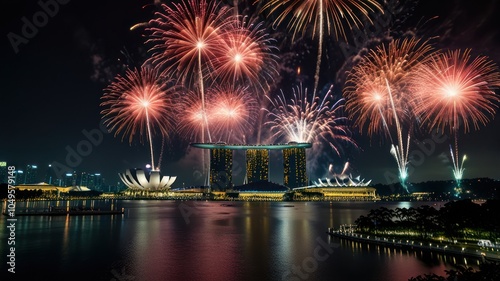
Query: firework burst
x,y
377,94
323,15
247,56
232,111
454,90
138,104
301,119
187,37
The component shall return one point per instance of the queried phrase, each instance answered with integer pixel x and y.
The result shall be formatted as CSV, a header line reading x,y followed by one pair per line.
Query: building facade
x,y
257,162
294,167
221,167
257,165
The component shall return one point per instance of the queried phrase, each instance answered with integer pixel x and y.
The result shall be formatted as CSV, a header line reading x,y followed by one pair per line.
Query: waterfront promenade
x,y
460,249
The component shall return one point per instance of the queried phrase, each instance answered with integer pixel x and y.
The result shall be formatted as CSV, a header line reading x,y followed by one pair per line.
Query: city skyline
x,y
53,84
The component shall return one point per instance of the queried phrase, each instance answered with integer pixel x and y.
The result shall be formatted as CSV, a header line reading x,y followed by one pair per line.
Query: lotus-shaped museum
x,y
137,179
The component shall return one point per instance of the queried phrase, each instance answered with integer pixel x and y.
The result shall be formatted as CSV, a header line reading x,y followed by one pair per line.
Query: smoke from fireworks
x,y
454,90
138,104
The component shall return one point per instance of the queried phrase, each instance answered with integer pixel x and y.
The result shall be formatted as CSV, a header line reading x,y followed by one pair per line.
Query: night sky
x,y
52,84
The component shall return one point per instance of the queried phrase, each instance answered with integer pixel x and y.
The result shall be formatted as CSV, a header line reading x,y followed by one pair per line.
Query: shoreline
x,y
444,248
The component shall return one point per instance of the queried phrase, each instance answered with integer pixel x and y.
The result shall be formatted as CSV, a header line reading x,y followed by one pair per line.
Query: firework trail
x,y
247,58
377,94
187,39
328,16
305,118
137,104
454,90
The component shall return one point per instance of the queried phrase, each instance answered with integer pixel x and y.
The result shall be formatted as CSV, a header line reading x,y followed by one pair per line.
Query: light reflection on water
x,y
167,240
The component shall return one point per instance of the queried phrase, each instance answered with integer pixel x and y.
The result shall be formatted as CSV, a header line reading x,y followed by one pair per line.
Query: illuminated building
x,y
257,160
221,166
257,165
20,178
294,166
50,175
3,172
70,179
31,174
95,181
137,179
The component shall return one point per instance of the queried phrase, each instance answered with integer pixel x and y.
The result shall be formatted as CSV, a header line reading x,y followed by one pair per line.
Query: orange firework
x,y
302,14
334,14
137,104
454,90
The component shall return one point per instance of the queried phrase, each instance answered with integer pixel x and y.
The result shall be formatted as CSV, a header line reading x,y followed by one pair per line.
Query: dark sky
x,y
52,83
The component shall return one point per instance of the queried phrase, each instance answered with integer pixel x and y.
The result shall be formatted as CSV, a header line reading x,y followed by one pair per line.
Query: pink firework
x,y
233,112
138,104
191,117
230,113
377,94
454,90
382,78
247,56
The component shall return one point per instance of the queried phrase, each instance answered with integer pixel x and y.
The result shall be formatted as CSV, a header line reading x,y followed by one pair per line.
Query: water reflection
x,y
167,240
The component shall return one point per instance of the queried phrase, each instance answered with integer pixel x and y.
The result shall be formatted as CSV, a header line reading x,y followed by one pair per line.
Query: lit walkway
x,y
442,247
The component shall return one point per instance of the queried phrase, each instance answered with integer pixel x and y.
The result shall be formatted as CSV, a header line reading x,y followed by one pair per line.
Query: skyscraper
x,y
257,165
3,172
70,179
20,178
294,167
95,181
50,175
221,165
84,179
31,174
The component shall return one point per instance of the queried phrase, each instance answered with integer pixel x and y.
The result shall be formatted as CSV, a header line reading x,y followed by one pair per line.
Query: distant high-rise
x,y
294,167
257,165
50,175
95,181
20,178
221,165
31,174
70,179
3,172
84,179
